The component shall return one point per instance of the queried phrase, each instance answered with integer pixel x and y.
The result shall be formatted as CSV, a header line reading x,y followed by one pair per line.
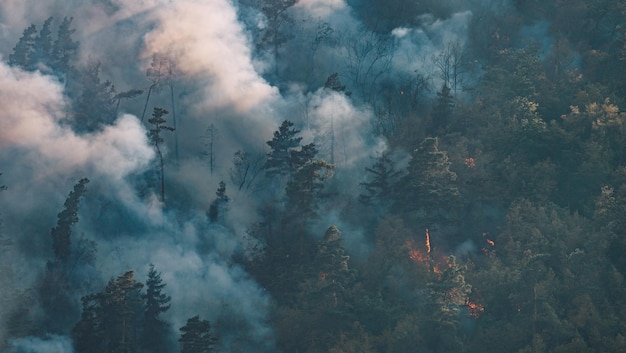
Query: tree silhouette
x,y
154,135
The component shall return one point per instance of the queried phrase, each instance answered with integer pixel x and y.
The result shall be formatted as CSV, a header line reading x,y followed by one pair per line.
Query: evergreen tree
x,y
95,106
89,333
154,135
429,187
219,205
275,35
334,277
155,330
196,336
56,290
305,188
109,321
448,294
383,177
61,234
442,111
279,158
43,45
24,50
64,48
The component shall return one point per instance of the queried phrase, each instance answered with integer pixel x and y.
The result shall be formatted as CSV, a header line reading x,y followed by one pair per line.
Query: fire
x,y
415,254
490,242
474,309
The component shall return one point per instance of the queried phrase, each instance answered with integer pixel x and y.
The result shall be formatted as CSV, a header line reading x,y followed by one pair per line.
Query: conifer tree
x,y
95,106
304,190
43,45
196,336
24,50
64,48
442,111
430,186
154,135
109,321
284,141
156,302
382,177
219,205
61,234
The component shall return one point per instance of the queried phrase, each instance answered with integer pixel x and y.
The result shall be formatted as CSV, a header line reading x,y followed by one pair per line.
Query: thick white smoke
x,y
209,44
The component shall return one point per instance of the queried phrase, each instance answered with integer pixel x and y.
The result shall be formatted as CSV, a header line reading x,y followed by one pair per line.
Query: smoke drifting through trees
x,y
444,93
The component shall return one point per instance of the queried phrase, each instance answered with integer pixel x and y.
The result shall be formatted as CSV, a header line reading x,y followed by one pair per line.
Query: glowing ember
x,y
491,242
427,241
474,309
415,254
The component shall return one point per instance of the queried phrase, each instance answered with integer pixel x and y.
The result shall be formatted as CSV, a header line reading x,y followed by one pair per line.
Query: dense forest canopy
x,y
312,176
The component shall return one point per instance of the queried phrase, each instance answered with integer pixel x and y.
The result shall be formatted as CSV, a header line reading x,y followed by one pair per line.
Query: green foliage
x,y
64,48
383,176
154,136
61,234
95,106
35,51
304,189
442,111
429,189
24,51
109,318
284,141
196,336
218,207
155,329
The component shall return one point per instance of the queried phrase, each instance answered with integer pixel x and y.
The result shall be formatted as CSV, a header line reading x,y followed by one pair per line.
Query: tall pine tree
x,y
156,303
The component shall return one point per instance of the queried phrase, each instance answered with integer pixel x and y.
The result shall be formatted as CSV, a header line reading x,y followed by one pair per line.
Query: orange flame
x,y
474,309
415,254
427,241
491,242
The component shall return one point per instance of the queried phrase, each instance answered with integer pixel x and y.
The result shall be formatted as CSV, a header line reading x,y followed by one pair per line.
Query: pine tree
x,y
24,50
61,234
95,106
196,336
448,294
154,135
109,321
274,35
43,45
443,109
156,302
429,188
334,275
383,176
279,158
64,48
304,190
219,205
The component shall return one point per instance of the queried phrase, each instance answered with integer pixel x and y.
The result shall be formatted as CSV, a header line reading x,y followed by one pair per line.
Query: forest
x,y
312,176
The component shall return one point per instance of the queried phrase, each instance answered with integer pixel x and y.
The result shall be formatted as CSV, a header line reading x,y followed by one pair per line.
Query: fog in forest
x,y
312,176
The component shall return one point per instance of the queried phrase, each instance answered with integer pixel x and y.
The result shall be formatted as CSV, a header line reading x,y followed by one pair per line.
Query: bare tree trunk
x,y
174,120
147,99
